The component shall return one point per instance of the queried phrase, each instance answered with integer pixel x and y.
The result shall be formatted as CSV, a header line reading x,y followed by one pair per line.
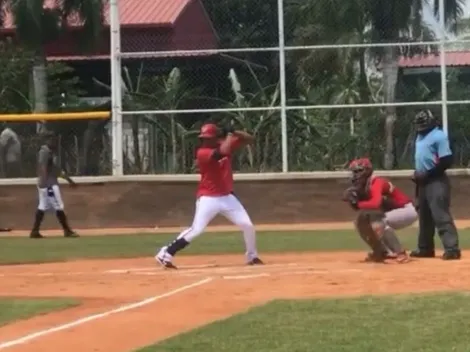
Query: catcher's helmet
x,y
424,120
361,169
209,130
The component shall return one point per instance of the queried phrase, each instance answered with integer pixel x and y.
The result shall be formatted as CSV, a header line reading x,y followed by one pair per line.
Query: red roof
x,y
133,13
147,12
452,58
147,26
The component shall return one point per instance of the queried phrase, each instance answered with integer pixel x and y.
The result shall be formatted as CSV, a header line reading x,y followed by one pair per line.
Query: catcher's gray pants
x,y
400,218
434,212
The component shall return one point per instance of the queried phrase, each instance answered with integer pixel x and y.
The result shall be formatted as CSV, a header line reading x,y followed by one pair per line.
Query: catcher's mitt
x,y
387,204
353,195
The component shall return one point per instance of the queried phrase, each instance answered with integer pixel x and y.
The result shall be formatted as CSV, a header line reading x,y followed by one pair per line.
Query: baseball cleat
x,y
452,255
255,261
375,258
403,258
421,253
166,264
164,259
35,234
71,234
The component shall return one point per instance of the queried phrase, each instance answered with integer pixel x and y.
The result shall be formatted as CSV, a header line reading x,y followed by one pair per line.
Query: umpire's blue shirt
x,y
430,148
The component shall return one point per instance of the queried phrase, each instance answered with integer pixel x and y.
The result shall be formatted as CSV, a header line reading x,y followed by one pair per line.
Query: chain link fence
x,y
194,61
339,59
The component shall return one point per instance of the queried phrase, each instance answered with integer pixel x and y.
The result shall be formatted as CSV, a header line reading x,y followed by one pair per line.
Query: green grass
x,y
430,323
12,309
55,249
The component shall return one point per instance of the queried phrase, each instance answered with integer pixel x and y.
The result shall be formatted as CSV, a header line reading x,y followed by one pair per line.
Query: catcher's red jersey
x,y
379,188
216,173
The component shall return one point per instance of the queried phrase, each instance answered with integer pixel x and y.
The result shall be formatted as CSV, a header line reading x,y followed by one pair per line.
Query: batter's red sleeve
x,y
204,155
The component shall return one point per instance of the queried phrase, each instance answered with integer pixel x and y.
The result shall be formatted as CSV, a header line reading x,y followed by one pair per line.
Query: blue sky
x,y
467,9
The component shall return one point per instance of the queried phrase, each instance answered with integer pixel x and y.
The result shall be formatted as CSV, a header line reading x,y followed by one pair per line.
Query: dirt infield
x,y
132,303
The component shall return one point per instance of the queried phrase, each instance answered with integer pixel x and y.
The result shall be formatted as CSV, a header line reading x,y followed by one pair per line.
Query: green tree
x,y
15,63
168,140
362,21
398,21
244,23
38,23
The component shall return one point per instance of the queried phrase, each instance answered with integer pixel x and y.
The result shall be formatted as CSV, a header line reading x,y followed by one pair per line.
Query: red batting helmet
x,y
209,130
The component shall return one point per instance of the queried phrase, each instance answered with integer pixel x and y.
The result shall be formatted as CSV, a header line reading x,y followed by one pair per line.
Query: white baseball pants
x,y
50,198
207,208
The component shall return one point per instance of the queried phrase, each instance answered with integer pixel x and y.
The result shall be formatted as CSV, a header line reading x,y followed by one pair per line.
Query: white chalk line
x,y
202,269
250,271
93,317
291,273
244,277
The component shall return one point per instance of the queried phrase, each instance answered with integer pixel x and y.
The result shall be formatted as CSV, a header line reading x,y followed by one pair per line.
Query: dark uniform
x,y
48,172
432,157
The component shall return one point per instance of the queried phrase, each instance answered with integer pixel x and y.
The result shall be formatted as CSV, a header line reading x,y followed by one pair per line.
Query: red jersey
x,y
380,188
216,173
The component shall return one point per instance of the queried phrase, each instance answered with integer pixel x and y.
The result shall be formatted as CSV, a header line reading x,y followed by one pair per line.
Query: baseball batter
x,y
48,172
382,209
215,193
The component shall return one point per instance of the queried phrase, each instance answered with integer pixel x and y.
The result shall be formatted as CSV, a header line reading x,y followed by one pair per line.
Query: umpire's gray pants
x,y
434,212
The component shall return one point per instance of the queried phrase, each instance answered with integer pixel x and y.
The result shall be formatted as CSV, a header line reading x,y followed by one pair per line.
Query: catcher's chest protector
x,y
364,190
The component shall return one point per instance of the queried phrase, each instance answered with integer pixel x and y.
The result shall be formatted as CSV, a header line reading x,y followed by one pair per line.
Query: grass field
x,y
426,323
418,323
12,309
17,250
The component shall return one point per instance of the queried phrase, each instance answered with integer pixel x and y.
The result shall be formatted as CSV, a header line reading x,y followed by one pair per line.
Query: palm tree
x,y
165,131
362,21
265,125
398,21
329,22
39,22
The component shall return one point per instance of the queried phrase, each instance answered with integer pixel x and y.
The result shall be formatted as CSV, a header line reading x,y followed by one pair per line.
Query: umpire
x,y
432,158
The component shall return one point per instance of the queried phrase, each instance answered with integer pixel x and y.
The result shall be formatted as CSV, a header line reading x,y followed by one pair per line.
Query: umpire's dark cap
x,y
424,120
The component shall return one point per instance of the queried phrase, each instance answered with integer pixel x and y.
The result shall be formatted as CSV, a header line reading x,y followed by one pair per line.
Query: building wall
x,y
193,29
147,204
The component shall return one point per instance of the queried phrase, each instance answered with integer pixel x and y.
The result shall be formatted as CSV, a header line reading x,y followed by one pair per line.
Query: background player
x,y
383,208
48,172
215,193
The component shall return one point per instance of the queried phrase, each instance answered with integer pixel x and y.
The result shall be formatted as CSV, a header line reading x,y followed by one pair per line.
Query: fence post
x,y
442,49
116,89
282,85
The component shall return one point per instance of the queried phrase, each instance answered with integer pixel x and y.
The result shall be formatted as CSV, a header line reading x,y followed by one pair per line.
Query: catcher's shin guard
x,y
391,240
372,238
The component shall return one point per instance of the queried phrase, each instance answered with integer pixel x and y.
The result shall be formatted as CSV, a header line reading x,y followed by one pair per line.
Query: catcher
x,y
382,208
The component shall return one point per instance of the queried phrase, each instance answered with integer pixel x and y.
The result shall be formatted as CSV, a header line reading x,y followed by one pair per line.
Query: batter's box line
x,y
153,271
222,271
300,270
292,273
247,271
199,269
